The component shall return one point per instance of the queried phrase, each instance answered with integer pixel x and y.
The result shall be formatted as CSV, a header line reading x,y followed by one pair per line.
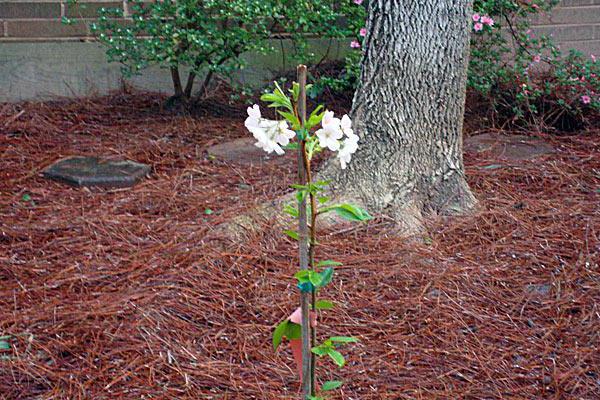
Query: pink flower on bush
x,y
354,44
476,17
487,20
593,58
478,26
585,99
359,2
537,58
363,32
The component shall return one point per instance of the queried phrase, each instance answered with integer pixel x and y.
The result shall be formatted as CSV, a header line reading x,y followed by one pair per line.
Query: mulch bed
x,y
119,294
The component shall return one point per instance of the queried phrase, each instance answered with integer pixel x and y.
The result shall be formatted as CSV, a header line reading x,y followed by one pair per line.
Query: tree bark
x,y
177,88
408,111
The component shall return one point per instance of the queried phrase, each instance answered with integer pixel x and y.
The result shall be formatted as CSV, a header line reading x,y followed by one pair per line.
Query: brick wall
x,y
575,24
39,20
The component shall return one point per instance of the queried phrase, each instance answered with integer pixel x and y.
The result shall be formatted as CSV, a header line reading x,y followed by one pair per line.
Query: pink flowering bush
x,y
532,82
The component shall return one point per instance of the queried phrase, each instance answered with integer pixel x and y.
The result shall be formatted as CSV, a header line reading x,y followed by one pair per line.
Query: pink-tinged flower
x,y
535,6
478,26
363,32
593,58
354,44
476,17
586,99
537,58
487,20
359,2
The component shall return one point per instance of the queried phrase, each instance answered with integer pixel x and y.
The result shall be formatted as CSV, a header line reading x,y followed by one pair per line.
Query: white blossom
x,y
348,147
332,133
350,144
270,135
329,137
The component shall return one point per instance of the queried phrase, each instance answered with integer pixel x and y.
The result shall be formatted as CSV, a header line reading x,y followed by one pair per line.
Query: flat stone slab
x,y
242,151
509,147
96,171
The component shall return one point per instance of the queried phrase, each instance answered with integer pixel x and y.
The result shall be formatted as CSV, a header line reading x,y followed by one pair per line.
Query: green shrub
x,y
204,36
208,37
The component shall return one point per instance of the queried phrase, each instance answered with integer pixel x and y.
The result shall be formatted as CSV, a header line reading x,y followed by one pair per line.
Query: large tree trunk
x,y
408,112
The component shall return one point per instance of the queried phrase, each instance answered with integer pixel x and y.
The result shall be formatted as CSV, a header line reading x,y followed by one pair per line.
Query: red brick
x,y
89,10
29,10
45,29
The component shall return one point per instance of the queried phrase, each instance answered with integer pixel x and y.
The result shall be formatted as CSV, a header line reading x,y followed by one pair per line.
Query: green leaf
x,y
292,234
291,146
295,90
208,211
315,117
320,350
315,398
326,276
324,305
301,195
328,263
352,213
305,287
4,345
269,98
299,187
291,210
337,357
331,385
26,197
322,183
302,275
343,339
293,331
323,199
291,118
279,332
315,278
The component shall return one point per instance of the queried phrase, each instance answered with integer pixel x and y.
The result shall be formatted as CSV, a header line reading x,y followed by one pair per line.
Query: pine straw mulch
x,y
118,294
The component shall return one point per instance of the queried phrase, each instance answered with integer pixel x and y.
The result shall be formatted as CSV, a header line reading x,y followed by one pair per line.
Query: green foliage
x,y
324,305
331,385
200,35
317,279
209,36
328,348
288,330
348,212
4,342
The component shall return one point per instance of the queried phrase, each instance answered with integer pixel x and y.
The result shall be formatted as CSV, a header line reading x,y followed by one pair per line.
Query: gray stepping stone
x,y
96,171
508,147
243,151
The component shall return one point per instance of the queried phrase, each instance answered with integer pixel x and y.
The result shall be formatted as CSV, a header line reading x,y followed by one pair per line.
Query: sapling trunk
x,y
311,264
303,243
